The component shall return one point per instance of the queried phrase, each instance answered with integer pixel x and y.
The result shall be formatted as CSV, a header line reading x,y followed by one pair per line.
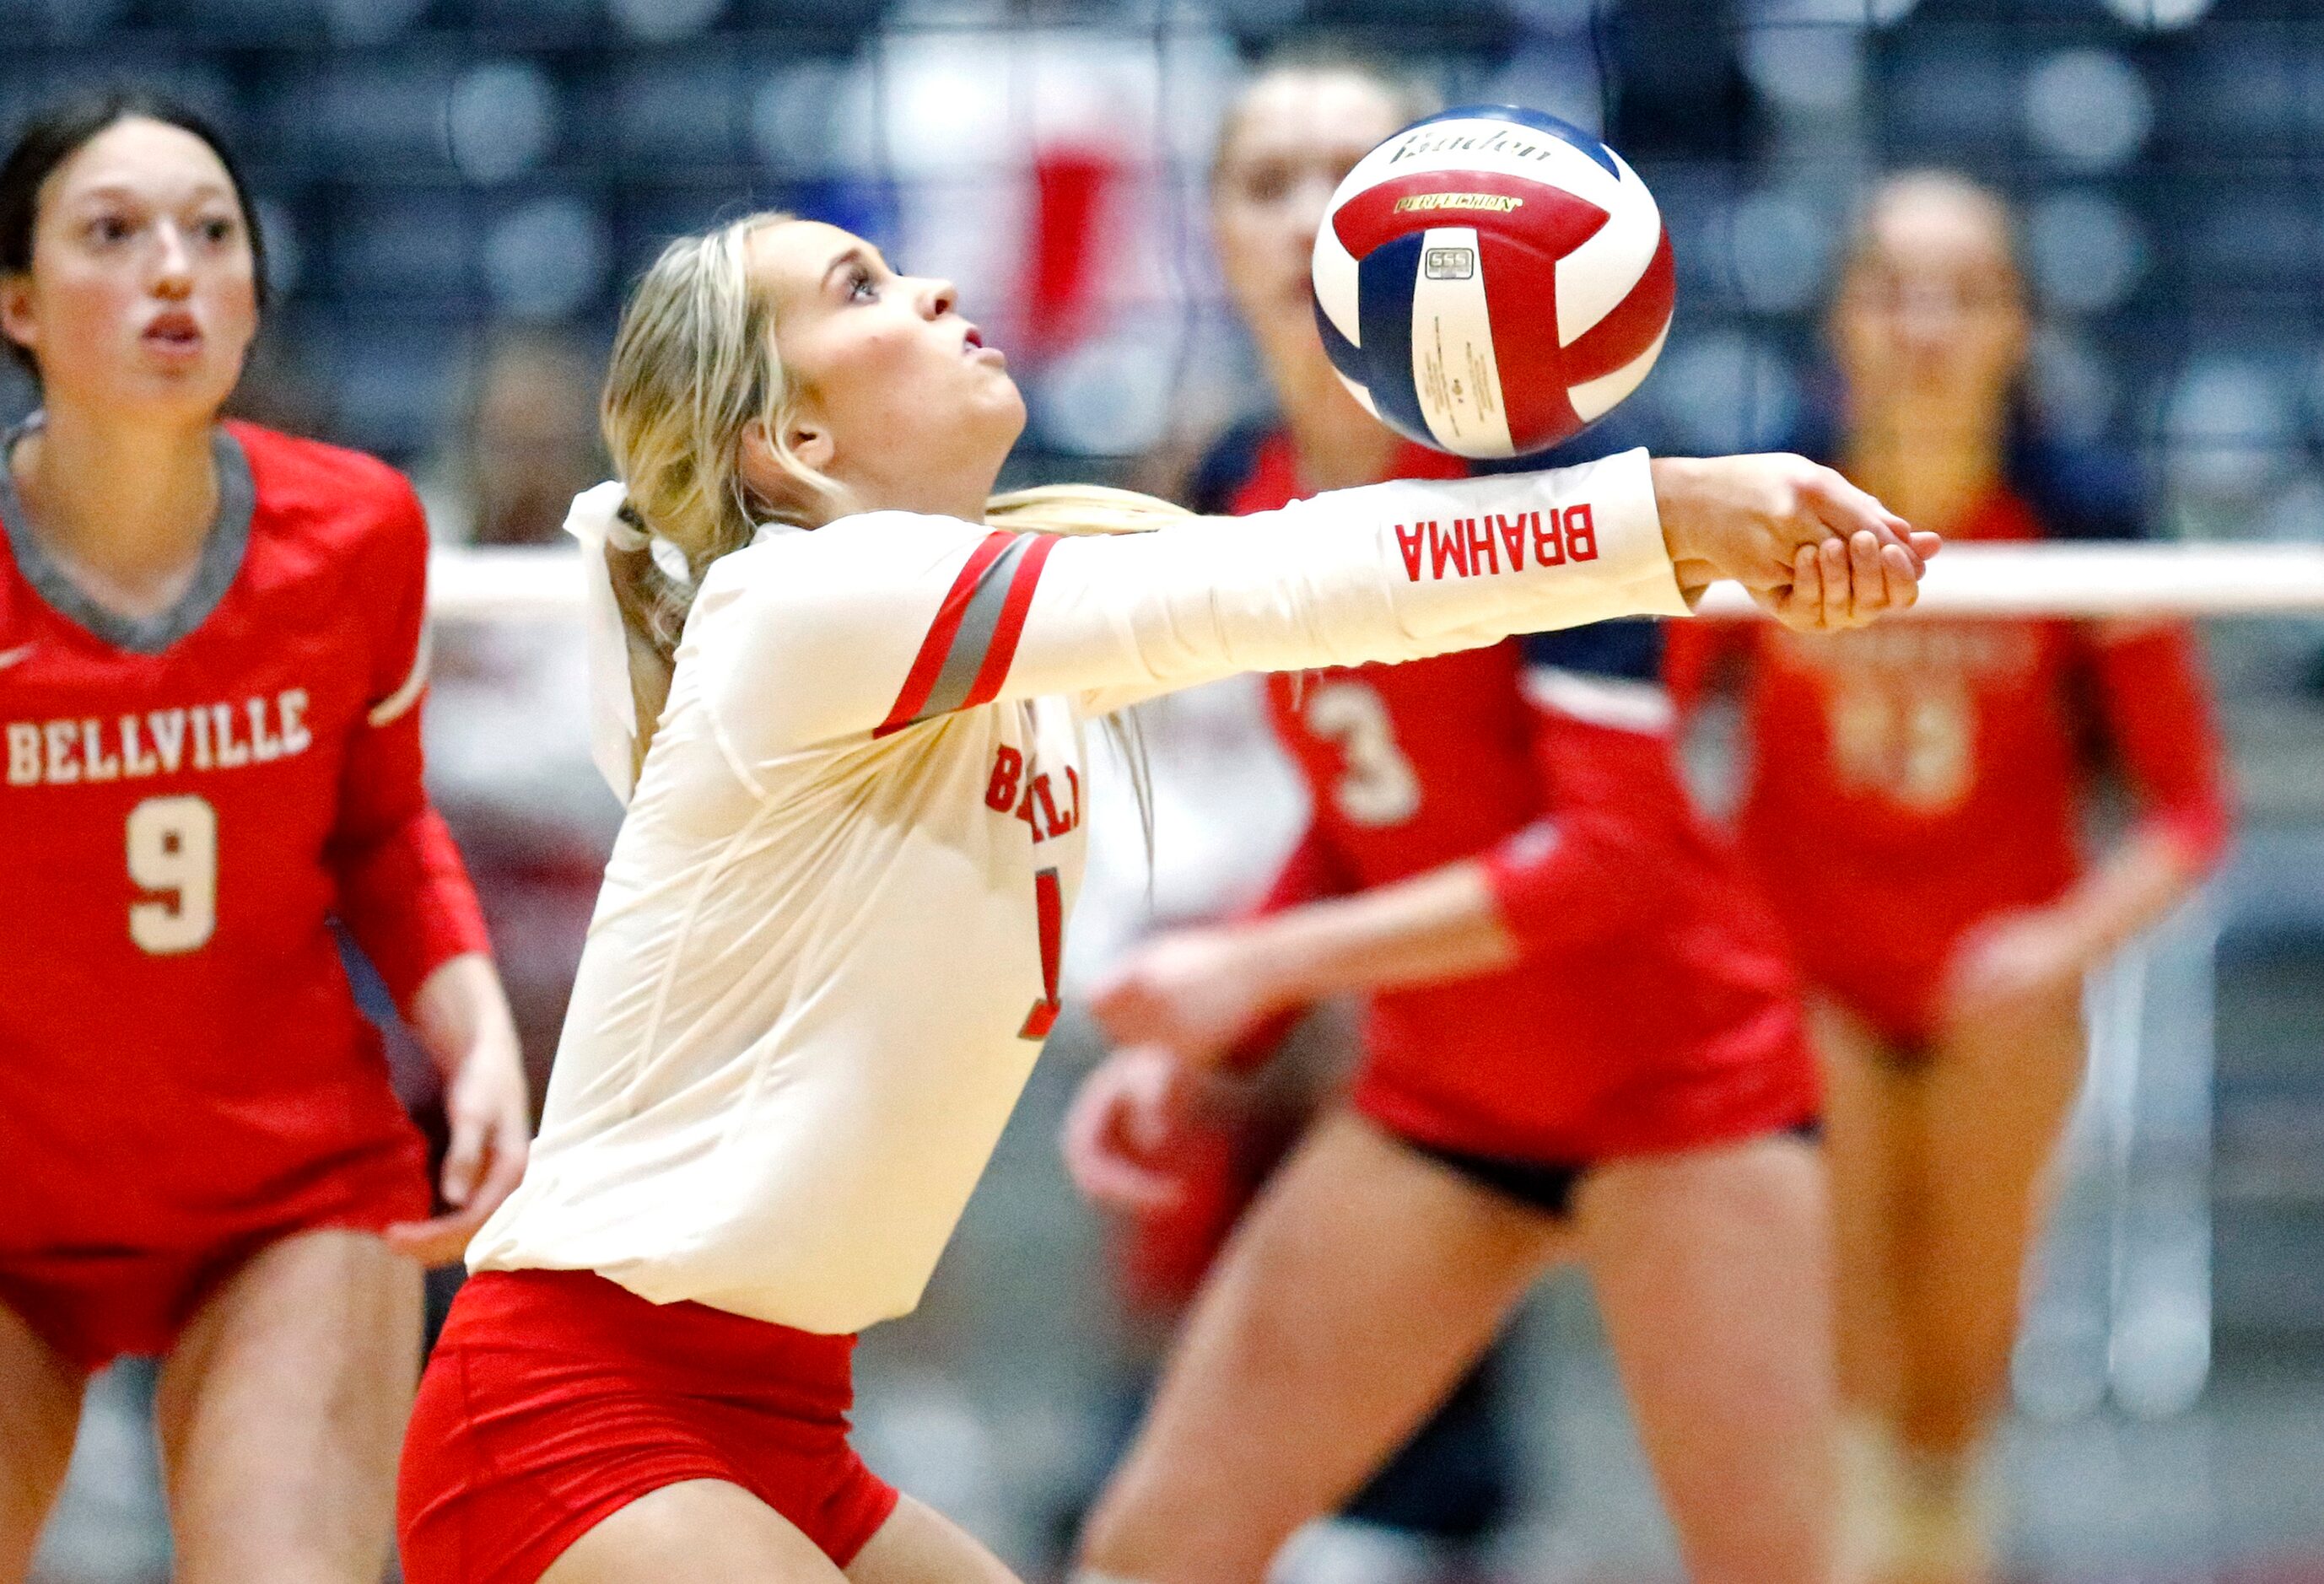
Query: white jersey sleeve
x,y
883,620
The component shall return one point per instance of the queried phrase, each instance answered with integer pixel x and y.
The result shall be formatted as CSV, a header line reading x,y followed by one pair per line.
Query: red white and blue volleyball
x,y
1491,280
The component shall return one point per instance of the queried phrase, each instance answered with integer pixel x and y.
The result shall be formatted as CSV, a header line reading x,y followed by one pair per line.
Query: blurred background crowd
x,y
457,192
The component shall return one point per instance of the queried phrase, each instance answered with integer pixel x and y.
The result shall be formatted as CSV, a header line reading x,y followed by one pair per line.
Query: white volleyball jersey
x,y
827,950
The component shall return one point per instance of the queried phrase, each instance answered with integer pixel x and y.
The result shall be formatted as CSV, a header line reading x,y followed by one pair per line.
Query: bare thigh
x,y
711,1532
1871,1148
1994,1098
40,1414
702,1531
1712,1272
919,1545
281,1410
1361,1284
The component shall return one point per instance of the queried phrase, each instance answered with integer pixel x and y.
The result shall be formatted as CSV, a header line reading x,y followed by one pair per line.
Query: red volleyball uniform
x,y
188,801
1908,780
1652,1010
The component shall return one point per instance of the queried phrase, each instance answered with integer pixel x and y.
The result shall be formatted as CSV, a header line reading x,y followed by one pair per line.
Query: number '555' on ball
x,y
1491,280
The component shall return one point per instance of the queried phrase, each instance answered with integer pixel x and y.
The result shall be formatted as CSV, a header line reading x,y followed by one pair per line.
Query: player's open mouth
x,y
973,345
174,332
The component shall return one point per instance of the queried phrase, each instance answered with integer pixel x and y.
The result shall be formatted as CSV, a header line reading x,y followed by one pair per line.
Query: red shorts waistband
x,y
579,1311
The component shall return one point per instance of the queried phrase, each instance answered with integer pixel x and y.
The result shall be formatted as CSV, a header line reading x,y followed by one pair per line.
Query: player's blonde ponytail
x,y
694,365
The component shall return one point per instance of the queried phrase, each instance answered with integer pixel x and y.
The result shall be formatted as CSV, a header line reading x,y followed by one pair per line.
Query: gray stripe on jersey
x,y
974,641
214,574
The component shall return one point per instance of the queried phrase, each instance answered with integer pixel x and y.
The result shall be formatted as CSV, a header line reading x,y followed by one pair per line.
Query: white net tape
x,y
1966,580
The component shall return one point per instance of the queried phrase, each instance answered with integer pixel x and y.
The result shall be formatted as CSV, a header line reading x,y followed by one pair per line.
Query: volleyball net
x,y
1967,580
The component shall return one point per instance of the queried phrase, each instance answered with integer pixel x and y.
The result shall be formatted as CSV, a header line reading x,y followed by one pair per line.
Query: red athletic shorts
x,y
93,1306
556,1399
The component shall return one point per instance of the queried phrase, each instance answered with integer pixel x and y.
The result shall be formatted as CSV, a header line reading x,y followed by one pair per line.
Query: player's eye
x,y
109,228
861,286
1266,183
216,230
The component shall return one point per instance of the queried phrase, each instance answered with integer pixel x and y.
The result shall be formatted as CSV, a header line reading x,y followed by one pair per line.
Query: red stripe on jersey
x,y
1050,913
929,664
1630,326
1011,625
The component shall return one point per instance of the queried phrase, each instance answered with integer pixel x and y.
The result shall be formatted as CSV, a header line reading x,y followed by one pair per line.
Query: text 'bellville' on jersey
x,y
826,954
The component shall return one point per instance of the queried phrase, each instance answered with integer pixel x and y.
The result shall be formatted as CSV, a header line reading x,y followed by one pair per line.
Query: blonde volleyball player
x,y
826,954
1565,1060
1950,761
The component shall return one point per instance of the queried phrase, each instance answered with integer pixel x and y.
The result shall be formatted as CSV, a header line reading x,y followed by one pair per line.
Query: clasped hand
x,y
1815,551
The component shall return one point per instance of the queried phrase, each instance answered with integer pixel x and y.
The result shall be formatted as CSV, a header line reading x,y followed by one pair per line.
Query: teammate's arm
x,y
1194,992
1192,1000
1601,749
1133,1119
2150,693
404,895
1311,874
2158,715
1182,1002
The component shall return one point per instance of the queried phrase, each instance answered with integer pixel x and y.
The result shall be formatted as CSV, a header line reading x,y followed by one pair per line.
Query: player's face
x,y
900,395
1291,139
1932,312
142,293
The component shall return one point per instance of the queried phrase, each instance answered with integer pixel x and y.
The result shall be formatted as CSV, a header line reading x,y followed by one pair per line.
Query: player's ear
x,y
812,444
16,309
762,469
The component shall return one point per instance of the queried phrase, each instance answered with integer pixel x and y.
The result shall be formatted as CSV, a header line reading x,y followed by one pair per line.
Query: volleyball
x,y
1491,280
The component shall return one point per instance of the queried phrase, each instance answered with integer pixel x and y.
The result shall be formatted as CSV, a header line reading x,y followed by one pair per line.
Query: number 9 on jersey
x,y
173,849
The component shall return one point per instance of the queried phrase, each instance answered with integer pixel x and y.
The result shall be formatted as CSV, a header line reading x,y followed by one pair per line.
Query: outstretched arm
x,y
932,616
1410,568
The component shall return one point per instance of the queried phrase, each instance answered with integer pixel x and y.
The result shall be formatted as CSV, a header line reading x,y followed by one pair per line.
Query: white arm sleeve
x,y
880,622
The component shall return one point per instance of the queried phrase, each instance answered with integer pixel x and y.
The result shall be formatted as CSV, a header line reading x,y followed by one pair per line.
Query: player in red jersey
x,y
213,653
1942,909
1580,1046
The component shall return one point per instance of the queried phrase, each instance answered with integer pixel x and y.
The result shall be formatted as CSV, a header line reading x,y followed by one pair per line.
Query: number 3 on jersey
x,y
1378,786
173,848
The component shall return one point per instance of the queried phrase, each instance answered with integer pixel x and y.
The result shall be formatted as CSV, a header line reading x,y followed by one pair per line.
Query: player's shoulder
x,y
788,572
329,496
